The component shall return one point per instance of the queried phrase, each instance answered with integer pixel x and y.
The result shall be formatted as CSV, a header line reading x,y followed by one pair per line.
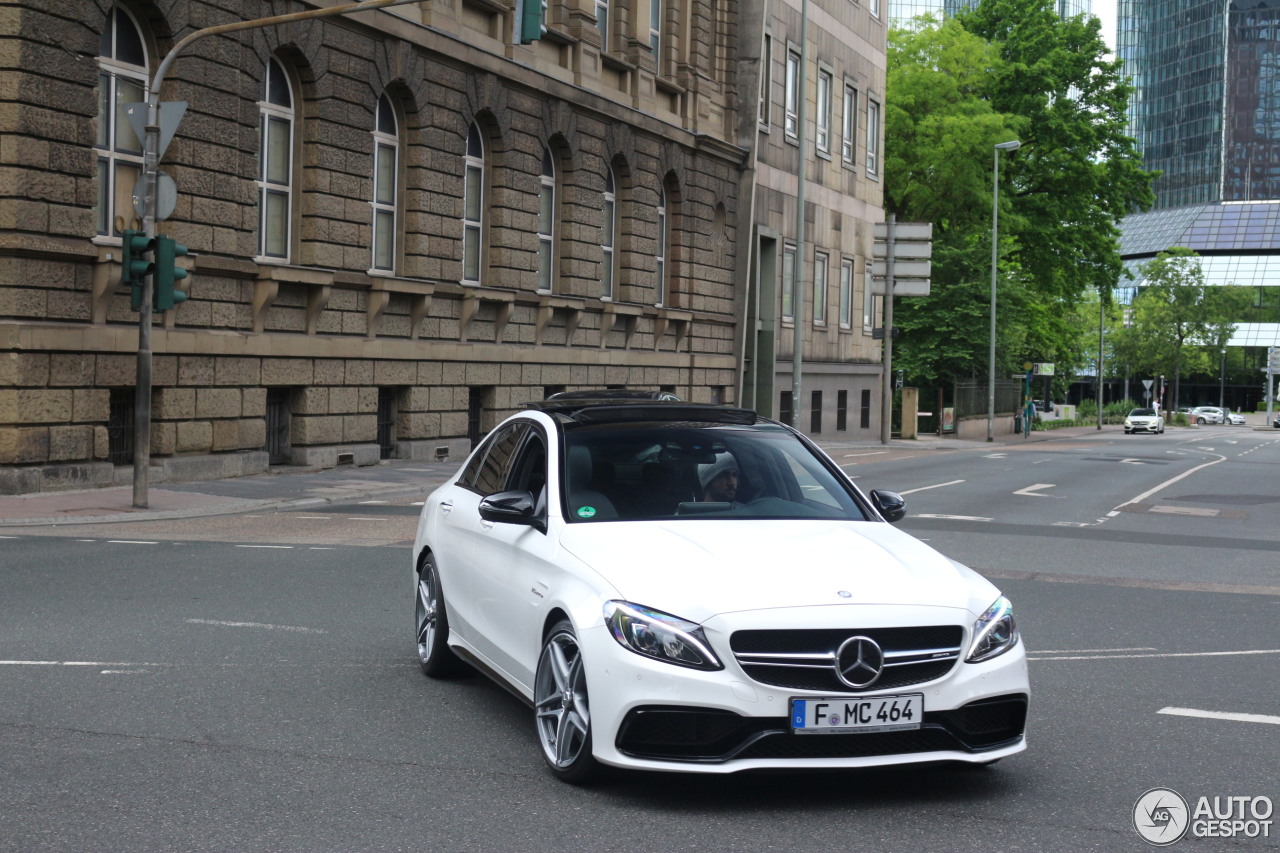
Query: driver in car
x,y
719,479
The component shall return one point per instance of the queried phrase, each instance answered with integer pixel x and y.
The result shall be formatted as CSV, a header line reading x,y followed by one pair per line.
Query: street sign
x,y
166,197
877,334
901,269
170,112
901,247
1044,368
906,231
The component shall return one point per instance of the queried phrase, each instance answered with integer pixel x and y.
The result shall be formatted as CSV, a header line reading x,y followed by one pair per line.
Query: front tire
x,y
431,619
562,708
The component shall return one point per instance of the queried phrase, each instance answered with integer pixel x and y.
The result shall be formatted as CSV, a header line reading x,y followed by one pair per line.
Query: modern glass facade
x,y
902,11
1206,104
1206,112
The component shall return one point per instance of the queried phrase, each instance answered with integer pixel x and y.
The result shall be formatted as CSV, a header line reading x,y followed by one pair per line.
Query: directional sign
x,y
901,269
903,249
905,231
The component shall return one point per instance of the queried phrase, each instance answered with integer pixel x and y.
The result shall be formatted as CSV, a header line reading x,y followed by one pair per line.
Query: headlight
x,y
994,633
659,635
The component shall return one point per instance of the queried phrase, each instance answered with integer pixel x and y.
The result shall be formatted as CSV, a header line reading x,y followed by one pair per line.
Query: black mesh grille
x,y
707,735
827,640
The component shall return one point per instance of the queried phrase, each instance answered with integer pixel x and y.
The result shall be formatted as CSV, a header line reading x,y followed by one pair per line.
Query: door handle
x,y
446,506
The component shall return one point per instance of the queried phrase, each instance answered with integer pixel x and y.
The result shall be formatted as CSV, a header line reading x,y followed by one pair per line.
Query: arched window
x,y
386,159
609,235
473,206
660,253
547,223
122,79
275,164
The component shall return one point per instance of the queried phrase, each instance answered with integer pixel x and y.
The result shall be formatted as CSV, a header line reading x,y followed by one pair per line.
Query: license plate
x,y
844,715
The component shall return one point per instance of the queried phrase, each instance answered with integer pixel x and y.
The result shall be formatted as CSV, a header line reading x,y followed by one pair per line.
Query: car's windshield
x,y
1140,413
628,472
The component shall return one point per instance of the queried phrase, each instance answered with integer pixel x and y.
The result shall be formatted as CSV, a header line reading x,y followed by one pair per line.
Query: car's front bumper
x,y
646,714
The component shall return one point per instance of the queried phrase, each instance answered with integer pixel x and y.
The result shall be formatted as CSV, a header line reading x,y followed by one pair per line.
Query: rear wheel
x,y
562,708
432,621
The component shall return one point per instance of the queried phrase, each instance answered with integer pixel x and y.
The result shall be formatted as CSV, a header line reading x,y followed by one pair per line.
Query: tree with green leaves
x,y
1008,69
1178,325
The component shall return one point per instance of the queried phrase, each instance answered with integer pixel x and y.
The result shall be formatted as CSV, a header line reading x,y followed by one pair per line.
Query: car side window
x,y
529,471
491,473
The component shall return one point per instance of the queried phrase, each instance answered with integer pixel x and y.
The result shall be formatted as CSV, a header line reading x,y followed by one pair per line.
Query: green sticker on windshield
x,y
586,511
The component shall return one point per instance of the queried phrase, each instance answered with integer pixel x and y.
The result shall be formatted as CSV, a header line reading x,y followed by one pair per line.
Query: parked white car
x,y
1207,415
1235,418
698,589
1143,420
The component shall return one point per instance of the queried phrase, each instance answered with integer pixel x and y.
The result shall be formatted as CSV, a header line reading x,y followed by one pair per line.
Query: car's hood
x,y
696,569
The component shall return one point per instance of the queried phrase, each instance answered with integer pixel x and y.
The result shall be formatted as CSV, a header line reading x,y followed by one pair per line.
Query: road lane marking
x,y
130,542
994,456
1149,492
926,488
1032,491
1166,655
952,517
281,547
1093,651
1186,510
363,518
74,663
374,502
868,453
320,517
1221,715
263,625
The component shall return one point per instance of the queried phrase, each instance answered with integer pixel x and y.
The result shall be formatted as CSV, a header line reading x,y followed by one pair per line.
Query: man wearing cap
x,y
719,479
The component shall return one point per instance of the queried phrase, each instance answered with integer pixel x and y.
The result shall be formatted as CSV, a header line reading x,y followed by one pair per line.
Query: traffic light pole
x,y
151,186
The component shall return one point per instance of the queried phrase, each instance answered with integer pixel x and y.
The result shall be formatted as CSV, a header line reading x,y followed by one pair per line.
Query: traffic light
x,y
135,266
167,273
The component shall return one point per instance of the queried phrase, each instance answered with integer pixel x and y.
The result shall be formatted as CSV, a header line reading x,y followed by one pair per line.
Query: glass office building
x,y
1206,112
902,11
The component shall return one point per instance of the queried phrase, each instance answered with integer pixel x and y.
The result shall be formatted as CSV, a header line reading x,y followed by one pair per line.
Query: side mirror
x,y
890,504
512,508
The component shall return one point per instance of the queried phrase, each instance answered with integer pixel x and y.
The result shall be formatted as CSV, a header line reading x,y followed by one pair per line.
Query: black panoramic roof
x,y
618,410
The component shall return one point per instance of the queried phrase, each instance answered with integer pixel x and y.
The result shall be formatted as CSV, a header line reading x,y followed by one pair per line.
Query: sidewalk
x,y
391,479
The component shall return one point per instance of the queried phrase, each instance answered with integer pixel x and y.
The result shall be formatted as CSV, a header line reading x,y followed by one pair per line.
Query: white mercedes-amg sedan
x,y
695,588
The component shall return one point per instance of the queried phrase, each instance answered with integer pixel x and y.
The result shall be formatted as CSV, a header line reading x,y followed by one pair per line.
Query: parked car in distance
x,y
1143,420
1207,415
1235,418
694,588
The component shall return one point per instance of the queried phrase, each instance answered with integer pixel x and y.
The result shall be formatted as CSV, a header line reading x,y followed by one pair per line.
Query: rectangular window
x,y
820,270
873,137
849,126
864,413
815,412
846,293
842,411
822,135
386,422
121,404
785,413
384,207
602,24
655,30
766,81
606,247
278,427
788,282
791,106
868,302
874,5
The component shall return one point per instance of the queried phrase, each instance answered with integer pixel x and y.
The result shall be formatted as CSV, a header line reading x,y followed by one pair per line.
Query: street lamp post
x,y
1012,145
1222,380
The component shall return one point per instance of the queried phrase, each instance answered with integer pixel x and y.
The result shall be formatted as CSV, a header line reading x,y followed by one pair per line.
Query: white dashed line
x,y
263,625
374,502
1221,715
1092,651
1165,655
926,488
130,542
952,517
280,547
73,663
1032,491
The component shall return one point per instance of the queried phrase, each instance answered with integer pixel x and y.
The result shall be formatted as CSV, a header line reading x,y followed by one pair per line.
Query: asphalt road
x,y
249,684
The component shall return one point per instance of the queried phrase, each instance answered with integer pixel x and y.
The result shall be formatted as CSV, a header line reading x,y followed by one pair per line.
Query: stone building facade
x,y
403,224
